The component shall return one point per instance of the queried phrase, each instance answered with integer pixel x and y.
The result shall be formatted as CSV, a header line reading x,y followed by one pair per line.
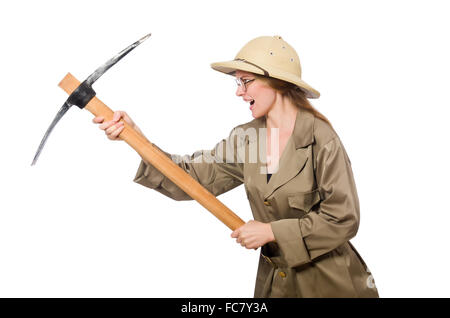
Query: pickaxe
x,y
83,96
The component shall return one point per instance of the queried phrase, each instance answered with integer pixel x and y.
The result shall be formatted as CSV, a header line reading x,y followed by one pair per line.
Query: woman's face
x,y
263,95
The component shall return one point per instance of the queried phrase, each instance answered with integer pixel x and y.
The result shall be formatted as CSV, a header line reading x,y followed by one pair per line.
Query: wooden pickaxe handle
x,y
159,160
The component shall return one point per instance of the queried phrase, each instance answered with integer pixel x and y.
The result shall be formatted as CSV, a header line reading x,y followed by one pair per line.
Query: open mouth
x,y
252,102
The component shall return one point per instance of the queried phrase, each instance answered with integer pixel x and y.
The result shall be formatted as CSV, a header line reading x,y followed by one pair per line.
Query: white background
x,y
76,225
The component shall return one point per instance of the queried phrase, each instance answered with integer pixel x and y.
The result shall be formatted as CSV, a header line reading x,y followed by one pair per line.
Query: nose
x,y
240,91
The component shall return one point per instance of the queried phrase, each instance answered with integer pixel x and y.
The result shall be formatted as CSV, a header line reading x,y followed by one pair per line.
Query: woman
x,y
302,191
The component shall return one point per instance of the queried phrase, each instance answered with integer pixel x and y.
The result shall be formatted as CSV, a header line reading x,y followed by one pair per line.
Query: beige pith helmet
x,y
270,56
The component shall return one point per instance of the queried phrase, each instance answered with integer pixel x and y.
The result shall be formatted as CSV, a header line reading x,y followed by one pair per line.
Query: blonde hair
x,y
295,94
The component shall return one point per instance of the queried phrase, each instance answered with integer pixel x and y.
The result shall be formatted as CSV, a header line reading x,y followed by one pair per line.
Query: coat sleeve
x,y
337,219
218,170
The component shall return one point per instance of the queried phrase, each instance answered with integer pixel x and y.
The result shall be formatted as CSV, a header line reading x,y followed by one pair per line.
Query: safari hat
x,y
269,56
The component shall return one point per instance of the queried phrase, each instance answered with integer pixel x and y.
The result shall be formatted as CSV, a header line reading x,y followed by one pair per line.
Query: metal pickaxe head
x,y
84,92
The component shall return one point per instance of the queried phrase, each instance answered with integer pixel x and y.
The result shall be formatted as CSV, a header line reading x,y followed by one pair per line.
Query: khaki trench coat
x,y
311,203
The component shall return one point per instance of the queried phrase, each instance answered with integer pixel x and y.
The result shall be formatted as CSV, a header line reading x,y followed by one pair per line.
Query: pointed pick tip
x,y
34,161
145,37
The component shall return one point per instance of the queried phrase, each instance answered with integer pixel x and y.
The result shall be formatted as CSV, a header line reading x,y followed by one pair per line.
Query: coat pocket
x,y
304,201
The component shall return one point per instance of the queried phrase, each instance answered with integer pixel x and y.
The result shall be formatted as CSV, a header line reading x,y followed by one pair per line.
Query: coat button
x,y
282,274
266,203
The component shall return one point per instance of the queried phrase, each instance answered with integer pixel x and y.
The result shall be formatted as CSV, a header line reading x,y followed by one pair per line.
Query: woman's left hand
x,y
253,234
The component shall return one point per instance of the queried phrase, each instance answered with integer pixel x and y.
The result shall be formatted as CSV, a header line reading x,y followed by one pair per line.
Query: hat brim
x,y
230,67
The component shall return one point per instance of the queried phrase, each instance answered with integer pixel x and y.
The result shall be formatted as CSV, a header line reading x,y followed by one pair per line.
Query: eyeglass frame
x,y
243,83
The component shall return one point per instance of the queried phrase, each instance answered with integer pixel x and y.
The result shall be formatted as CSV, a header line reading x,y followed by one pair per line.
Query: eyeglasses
x,y
243,83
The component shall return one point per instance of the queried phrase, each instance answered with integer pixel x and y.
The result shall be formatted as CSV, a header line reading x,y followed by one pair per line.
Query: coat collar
x,y
303,134
294,156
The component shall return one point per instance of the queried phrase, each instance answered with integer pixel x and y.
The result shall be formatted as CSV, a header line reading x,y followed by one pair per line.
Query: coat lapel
x,y
294,156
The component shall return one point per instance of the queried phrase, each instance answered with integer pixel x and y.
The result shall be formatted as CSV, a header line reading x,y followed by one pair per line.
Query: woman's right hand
x,y
114,127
